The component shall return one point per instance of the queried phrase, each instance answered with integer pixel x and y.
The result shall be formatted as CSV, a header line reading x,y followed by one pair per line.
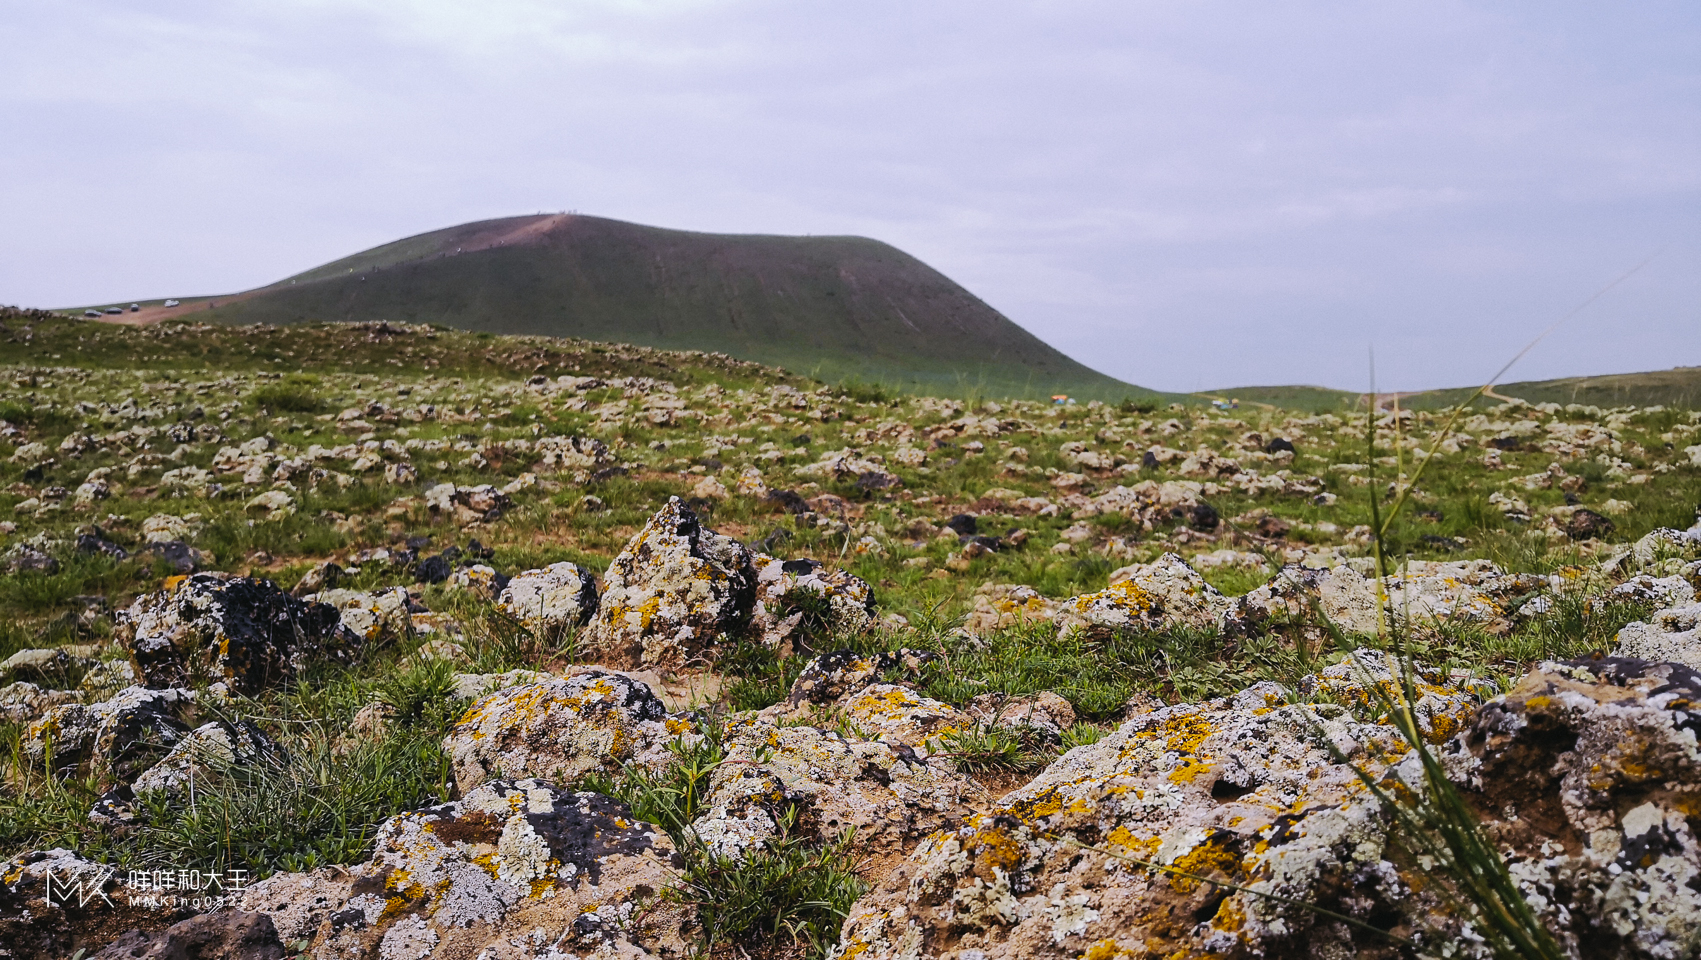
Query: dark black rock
x,y
434,569
963,525
1588,525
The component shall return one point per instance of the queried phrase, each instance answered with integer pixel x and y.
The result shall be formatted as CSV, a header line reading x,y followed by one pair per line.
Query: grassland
x,y
88,447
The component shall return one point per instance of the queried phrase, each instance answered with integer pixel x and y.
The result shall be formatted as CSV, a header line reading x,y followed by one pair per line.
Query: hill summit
x,y
831,307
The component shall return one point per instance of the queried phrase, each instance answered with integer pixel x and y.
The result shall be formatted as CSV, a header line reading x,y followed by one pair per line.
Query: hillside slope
x,y
831,307
1677,387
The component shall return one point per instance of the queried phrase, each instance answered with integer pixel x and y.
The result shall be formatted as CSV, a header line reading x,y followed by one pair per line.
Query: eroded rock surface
x,y
515,869
243,632
556,597
677,589
562,729
1590,772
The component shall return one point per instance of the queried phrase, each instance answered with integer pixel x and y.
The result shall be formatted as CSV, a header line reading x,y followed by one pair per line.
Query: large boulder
x,y
677,590
515,869
562,729
1588,775
557,597
243,632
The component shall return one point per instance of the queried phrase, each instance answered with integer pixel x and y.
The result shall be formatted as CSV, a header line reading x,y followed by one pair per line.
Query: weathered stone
x,y
781,584
240,631
562,729
1043,716
998,606
208,750
898,715
890,793
377,619
677,590
831,676
1156,596
119,737
557,597
1672,635
1584,773
225,935
472,686
22,702
479,876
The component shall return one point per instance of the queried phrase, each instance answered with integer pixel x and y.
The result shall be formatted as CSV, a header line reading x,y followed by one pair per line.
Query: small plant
x,y
991,748
293,394
790,889
420,694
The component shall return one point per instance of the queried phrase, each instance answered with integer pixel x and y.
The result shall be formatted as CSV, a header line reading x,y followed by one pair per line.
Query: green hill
x,y
835,308
1677,387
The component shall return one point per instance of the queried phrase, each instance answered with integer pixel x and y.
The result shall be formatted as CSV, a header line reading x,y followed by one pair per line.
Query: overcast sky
x,y
1184,195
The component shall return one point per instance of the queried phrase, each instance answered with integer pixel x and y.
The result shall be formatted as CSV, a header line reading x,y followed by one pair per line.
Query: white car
x,y
171,303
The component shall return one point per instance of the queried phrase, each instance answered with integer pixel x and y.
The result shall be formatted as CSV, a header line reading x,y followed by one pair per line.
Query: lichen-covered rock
x,y
297,903
1164,594
781,584
210,748
676,590
1423,593
557,597
1587,774
472,686
1670,636
894,714
1001,605
120,737
562,729
481,877
377,618
1367,682
831,676
22,701
243,632
890,793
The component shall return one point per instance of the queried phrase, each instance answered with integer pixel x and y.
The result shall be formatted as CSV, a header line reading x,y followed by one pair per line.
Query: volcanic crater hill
x,y
833,306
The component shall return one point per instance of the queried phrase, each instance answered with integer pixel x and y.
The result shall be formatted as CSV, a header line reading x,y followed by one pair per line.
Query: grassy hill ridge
x,y
832,307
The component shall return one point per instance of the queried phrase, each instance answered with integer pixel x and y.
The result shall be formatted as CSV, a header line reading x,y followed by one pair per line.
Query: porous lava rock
x,y
562,729
676,590
118,737
828,783
785,590
557,597
1587,775
241,631
515,869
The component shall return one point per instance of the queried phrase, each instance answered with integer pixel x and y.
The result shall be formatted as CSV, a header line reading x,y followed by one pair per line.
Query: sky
x,y
1185,195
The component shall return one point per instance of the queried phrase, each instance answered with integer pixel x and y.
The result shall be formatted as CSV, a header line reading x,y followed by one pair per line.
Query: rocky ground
x,y
386,641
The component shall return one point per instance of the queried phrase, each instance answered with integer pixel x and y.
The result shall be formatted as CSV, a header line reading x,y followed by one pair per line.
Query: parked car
x,y
114,309
172,303
91,313
134,307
